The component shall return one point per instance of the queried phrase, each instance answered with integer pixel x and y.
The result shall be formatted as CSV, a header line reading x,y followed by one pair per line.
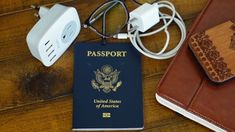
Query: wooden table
x,y
35,99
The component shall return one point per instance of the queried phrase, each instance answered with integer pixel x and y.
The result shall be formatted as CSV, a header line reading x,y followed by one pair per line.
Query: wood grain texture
x,y
35,98
215,50
15,6
56,115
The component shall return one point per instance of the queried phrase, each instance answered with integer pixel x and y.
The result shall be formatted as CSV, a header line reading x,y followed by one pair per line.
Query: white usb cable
x,y
145,17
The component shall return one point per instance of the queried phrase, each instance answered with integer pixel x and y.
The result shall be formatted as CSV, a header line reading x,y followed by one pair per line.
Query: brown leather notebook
x,y
186,89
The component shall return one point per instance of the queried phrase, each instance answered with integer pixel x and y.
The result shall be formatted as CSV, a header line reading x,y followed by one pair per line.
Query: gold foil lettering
x,y
106,53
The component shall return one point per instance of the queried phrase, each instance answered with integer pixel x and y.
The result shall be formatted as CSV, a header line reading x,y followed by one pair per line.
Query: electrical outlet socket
x,y
51,36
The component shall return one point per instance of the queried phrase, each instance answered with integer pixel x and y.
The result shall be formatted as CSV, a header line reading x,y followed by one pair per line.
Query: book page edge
x,y
189,115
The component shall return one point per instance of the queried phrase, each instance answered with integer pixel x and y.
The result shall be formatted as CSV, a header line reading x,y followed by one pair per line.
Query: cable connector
x,y
145,17
121,36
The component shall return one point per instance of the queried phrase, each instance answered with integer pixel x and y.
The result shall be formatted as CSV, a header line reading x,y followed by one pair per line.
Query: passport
x,y
107,93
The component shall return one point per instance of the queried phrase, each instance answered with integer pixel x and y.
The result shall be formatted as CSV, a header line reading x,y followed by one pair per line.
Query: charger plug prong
x,y
35,7
36,15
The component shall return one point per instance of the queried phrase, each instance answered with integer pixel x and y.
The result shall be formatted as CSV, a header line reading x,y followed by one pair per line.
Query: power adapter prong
x,y
35,7
36,15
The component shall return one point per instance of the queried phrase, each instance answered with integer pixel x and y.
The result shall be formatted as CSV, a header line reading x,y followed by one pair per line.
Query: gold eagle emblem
x,y
106,79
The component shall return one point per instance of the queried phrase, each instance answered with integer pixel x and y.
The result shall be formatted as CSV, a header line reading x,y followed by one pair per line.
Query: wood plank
x,y
180,125
24,80
14,31
12,35
189,8
56,115
182,6
15,6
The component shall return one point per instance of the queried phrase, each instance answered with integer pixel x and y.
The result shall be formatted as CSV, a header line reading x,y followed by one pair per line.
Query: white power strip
x,y
51,36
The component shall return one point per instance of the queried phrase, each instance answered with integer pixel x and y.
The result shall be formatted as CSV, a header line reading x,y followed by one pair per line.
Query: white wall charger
x,y
51,36
145,17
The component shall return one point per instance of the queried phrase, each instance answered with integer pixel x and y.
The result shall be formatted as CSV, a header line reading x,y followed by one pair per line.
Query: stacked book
x,y
186,87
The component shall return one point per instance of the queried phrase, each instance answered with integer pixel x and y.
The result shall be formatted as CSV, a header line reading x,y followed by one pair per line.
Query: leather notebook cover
x,y
215,51
185,85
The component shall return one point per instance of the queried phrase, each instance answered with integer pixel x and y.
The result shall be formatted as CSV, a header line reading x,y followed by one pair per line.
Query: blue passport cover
x,y
107,87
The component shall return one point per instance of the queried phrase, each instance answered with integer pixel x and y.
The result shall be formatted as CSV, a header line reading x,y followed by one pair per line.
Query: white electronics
x,y
145,17
51,36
